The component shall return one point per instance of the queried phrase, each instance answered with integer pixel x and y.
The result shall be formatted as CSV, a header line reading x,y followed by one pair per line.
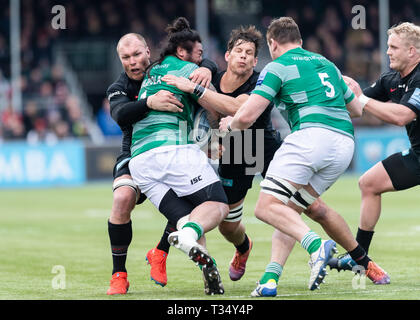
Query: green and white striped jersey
x,y
310,88
161,128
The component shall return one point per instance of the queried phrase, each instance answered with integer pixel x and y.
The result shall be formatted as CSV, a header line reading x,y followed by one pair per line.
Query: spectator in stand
x,y
326,28
77,122
13,128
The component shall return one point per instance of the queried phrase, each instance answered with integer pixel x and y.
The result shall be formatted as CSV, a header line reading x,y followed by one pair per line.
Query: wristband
x,y
199,91
364,100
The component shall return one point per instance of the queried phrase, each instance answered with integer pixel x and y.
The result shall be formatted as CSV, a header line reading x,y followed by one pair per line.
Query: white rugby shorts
x,y
314,156
183,168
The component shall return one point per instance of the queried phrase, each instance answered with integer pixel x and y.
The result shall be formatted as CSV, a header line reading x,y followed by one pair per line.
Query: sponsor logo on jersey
x,y
261,77
227,182
415,98
116,93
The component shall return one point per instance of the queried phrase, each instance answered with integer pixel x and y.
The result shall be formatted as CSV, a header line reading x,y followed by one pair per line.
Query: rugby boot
x,y
342,262
238,263
157,260
377,274
318,263
268,289
118,284
211,276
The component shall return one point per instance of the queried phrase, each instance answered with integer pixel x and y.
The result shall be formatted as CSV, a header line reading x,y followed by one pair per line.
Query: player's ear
x,y
180,52
255,61
227,53
270,43
411,51
148,52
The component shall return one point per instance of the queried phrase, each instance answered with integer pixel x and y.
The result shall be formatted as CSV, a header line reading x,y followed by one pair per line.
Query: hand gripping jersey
x,y
310,88
161,128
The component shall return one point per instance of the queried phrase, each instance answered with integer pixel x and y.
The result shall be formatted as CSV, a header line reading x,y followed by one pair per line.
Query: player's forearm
x,y
129,112
389,112
355,108
220,103
241,122
244,118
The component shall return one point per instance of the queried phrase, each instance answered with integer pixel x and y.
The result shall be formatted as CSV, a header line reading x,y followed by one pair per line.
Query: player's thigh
x,y
376,180
333,162
143,169
400,171
183,169
312,152
195,174
210,193
293,161
174,208
123,180
236,187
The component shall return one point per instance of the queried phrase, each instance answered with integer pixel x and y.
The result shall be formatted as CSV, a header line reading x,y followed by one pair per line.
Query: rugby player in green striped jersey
x,y
169,168
319,106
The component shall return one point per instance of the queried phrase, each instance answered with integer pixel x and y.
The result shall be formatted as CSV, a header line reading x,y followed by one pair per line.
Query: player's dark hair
x,y
284,30
181,35
245,34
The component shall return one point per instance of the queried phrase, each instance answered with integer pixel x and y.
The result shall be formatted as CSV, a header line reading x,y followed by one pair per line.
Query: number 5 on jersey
x,y
331,93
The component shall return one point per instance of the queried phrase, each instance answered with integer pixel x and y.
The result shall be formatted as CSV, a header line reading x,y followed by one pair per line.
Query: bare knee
x,y
317,211
224,210
221,208
123,203
261,209
367,185
226,227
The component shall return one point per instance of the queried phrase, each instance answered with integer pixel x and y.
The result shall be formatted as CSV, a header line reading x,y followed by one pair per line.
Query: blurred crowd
x,y
51,111
326,27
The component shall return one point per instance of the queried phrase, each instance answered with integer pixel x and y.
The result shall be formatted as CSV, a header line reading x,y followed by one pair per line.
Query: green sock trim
x,y
196,227
311,242
314,246
272,271
268,276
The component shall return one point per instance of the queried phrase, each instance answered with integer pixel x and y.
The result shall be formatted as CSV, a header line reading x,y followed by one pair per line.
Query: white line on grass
x,y
310,295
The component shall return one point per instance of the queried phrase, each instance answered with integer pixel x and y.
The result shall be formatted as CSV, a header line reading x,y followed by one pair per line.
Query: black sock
x,y
244,246
120,236
364,238
360,256
164,244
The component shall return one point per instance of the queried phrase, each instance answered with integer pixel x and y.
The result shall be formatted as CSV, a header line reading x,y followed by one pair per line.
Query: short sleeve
x,y
269,81
377,91
411,97
347,93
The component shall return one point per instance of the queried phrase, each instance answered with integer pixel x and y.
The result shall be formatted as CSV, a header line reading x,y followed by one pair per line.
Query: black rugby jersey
x,y
405,91
235,165
264,120
125,109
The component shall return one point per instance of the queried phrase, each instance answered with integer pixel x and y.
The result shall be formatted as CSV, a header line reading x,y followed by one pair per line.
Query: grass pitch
x,y
67,227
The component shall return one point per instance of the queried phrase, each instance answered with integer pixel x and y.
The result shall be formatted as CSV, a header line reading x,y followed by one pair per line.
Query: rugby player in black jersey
x,y
134,55
394,98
